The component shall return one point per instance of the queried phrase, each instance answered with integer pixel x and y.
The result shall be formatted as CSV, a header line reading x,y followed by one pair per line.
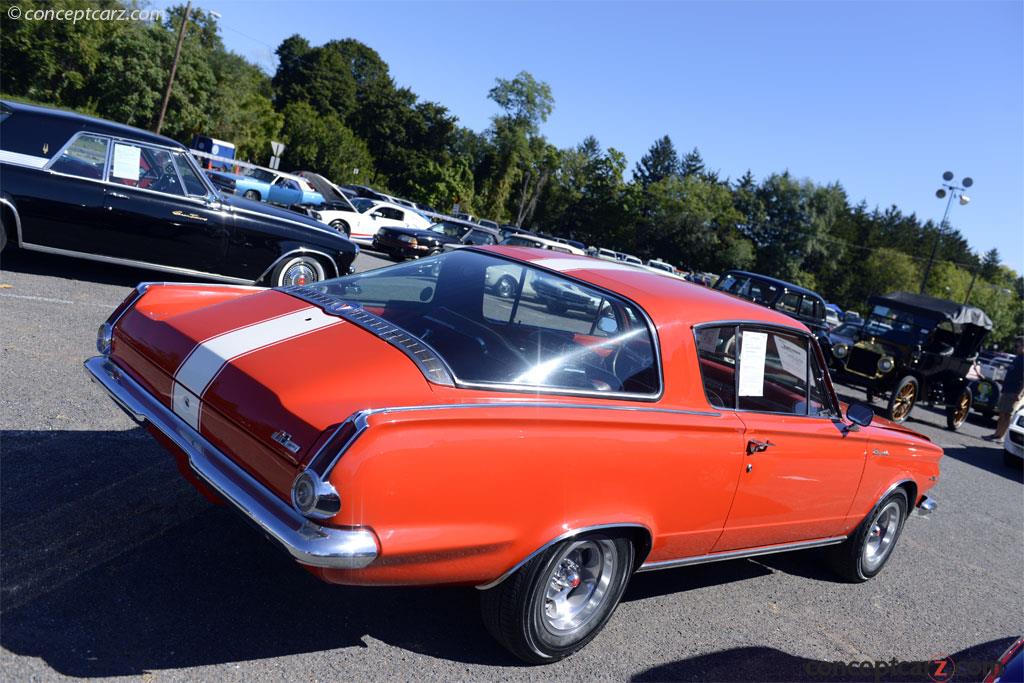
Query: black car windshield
x,y
449,229
500,322
898,325
363,204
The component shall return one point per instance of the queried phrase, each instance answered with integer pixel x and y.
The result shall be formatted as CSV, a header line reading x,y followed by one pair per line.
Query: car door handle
x,y
755,446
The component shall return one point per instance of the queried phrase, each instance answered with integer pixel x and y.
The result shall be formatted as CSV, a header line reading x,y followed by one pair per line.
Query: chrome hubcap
x,y
881,536
578,585
299,274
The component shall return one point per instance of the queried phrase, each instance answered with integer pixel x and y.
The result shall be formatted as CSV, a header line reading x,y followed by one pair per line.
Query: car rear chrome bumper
x,y
307,542
926,506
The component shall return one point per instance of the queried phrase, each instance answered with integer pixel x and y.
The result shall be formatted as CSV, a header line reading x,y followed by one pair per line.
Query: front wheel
x,y
902,400
252,194
560,600
957,410
301,270
865,552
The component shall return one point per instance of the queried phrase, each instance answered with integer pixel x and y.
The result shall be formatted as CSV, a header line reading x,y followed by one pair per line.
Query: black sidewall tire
x,y
848,558
279,271
506,287
252,195
342,226
895,392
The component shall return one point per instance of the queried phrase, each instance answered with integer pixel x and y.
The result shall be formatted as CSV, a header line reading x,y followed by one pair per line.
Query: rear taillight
x,y
106,331
313,495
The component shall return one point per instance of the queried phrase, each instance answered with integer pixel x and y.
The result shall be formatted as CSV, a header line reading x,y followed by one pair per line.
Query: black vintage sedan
x,y
89,188
405,243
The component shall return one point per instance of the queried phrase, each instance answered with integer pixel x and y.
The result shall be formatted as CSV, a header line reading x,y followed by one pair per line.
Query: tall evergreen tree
x,y
693,163
660,162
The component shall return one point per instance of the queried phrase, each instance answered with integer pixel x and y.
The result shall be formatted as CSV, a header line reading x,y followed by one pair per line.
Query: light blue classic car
x,y
260,184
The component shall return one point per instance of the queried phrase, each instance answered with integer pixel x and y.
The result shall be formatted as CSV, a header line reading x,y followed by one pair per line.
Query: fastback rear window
x,y
505,323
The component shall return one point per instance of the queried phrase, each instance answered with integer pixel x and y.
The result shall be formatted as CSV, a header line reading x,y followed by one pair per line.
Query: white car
x,y
662,268
362,218
606,254
535,242
1013,442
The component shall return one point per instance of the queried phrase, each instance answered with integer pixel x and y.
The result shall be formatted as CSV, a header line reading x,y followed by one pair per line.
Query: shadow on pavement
x,y
989,459
768,664
51,265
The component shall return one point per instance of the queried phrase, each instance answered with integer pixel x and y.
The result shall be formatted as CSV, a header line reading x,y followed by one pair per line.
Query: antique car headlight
x,y
886,363
103,336
314,497
840,350
408,239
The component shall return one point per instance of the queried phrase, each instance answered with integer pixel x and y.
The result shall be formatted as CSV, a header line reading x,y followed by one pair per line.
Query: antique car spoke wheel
x,y
956,414
558,602
903,398
869,547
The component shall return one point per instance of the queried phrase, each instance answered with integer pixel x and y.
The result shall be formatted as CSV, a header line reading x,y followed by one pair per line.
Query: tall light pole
x,y
954,192
174,67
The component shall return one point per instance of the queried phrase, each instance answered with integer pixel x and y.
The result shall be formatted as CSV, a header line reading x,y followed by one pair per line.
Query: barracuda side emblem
x,y
285,439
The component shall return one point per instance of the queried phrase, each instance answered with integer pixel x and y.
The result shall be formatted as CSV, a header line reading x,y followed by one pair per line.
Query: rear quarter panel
x,y
462,495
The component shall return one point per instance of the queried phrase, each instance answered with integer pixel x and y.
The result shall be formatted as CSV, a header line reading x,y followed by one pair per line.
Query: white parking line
x,y
57,301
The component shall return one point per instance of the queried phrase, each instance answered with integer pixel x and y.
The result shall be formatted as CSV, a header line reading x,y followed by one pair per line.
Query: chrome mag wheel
x,y
578,585
881,535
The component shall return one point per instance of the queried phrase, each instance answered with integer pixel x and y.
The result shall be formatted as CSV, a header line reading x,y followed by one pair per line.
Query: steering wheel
x,y
495,346
166,182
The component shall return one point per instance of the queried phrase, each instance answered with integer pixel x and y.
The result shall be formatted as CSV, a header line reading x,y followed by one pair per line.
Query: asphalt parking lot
x,y
112,565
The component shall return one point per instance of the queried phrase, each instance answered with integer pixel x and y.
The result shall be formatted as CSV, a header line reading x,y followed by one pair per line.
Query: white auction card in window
x,y
753,347
126,162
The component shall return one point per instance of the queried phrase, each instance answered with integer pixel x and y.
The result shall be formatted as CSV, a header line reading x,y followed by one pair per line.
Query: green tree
x,y
660,162
692,163
891,271
325,145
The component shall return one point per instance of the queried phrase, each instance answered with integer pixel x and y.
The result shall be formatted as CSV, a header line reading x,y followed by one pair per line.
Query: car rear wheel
x,y
252,194
301,270
558,602
867,550
506,287
957,410
903,398
342,226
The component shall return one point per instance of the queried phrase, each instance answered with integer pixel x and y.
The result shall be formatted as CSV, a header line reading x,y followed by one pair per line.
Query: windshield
x,y
497,321
363,204
899,325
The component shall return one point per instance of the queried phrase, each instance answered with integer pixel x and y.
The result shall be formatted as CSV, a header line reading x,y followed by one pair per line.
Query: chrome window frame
x,y
808,337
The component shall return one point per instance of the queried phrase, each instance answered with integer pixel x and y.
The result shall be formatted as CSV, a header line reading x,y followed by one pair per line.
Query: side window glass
x,y
773,372
193,184
85,157
789,302
716,354
501,284
127,166
820,398
807,308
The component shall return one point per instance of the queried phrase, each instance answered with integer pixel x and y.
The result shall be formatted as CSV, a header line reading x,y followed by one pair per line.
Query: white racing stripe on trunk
x,y
208,358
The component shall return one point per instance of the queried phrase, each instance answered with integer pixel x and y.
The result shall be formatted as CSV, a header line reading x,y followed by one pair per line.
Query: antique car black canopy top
x,y
929,306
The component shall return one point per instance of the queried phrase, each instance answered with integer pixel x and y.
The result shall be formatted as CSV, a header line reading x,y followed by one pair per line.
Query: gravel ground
x,y
113,566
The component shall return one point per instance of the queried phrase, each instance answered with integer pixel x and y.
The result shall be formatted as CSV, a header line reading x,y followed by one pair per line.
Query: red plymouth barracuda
x,y
412,426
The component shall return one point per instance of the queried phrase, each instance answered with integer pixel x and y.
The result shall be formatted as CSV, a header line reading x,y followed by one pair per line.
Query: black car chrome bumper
x,y
307,542
927,506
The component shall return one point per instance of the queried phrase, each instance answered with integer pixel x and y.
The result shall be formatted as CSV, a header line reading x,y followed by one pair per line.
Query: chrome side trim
x,y
17,217
299,250
134,264
307,542
558,539
740,554
927,506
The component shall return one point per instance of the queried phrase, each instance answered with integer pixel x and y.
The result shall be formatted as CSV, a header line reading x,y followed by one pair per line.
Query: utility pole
x,y
174,67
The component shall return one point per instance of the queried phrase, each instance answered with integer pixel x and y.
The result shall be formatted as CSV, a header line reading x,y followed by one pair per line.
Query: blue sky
x,y
882,97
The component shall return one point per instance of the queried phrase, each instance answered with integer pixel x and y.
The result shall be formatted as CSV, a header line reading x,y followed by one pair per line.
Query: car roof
x,y
958,314
93,124
775,281
668,300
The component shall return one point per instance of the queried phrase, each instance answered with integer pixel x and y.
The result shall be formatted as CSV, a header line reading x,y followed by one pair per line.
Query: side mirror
x,y
860,414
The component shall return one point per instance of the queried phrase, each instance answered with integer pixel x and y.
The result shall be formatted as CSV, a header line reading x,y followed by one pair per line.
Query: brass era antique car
x,y
912,347
419,425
